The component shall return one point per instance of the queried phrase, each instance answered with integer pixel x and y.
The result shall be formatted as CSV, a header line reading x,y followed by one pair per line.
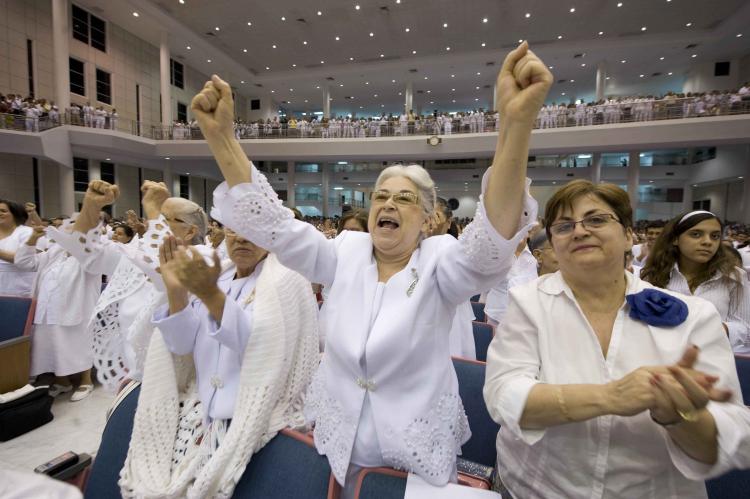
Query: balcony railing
x,y
590,115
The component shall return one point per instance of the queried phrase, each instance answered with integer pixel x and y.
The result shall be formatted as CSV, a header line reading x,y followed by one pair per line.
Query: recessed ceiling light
x,y
453,89
341,84
477,88
382,55
208,60
607,78
739,35
643,28
351,58
249,23
429,91
520,40
528,15
367,83
425,77
432,102
694,55
559,37
188,47
337,38
484,44
670,73
572,81
273,91
399,93
283,18
454,101
583,64
106,159
372,34
476,99
687,25
484,20
407,29
551,67
641,76
413,51
661,58
320,13
304,42
448,49
217,28
322,62
562,93
445,25
572,9
356,7
291,90
393,81
242,81
267,68
167,157
273,46
478,73
136,14
294,65
244,50
317,86
619,4
601,33
623,61
375,95
182,2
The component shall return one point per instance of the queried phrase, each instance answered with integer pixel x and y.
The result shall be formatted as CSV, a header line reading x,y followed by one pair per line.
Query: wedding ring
x,y
689,416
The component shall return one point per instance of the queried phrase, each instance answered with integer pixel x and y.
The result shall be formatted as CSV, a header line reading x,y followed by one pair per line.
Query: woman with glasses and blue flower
x,y
605,386
386,393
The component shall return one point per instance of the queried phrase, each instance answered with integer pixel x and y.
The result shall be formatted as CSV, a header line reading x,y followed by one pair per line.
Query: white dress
x,y
609,456
386,392
14,281
66,294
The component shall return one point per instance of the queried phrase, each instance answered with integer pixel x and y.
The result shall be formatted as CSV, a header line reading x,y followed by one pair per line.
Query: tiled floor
x,y
77,426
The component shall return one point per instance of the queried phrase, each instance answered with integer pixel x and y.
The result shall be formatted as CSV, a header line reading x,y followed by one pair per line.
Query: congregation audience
x,y
14,281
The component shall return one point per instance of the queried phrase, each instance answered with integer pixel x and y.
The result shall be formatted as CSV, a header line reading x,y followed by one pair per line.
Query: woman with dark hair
x,y
689,258
353,220
13,233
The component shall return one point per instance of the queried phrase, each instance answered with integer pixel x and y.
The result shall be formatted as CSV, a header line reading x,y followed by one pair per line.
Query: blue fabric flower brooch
x,y
657,308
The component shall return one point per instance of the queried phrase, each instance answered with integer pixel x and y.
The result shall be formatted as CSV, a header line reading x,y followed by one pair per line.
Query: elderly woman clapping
x,y
252,331
602,383
386,392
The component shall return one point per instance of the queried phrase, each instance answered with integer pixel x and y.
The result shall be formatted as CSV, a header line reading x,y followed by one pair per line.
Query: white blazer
x,y
399,354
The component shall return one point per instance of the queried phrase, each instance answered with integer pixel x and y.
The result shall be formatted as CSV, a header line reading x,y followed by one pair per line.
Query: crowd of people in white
x,y
34,115
603,377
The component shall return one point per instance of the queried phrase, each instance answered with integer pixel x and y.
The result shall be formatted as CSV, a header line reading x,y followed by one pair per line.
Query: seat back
x,y
743,373
733,484
483,334
17,314
475,298
380,483
478,309
481,446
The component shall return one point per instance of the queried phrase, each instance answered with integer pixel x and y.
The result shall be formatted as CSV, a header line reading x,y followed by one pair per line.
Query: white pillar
x,y
290,200
409,97
601,81
634,170
324,190
169,180
67,195
687,196
494,97
165,86
596,168
327,102
61,52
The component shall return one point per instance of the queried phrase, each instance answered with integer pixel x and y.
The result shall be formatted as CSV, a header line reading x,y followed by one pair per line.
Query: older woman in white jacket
x,y
386,392
605,386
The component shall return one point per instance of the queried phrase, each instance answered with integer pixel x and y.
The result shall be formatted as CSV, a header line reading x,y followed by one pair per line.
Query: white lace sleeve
x,y
145,255
93,250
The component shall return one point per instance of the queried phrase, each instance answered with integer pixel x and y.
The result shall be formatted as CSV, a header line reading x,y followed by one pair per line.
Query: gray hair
x,y
191,213
419,176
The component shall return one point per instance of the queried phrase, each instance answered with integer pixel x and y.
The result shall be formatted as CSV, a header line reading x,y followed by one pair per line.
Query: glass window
x,y
107,172
184,186
177,74
80,174
103,86
77,77
98,33
182,112
307,167
80,24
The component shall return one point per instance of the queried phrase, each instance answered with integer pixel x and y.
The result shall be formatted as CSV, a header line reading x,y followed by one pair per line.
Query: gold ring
x,y
689,416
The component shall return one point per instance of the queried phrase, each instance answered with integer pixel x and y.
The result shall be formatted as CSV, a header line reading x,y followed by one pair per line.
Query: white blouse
x,y
13,280
387,360
524,269
731,297
547,339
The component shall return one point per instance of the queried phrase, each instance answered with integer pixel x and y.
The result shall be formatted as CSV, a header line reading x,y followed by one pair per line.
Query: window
x,y
89,29
103,86
255,104
176,74
77,77
181,112
184,186
80,24
98,34
107,172
80,174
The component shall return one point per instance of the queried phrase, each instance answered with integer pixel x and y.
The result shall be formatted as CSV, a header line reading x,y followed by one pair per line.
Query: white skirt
x,y
62,350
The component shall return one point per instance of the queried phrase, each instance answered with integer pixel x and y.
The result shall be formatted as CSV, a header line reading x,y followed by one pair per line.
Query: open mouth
x,y
388,223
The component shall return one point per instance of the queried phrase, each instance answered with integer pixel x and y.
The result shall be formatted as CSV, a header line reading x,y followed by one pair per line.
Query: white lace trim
x,y
480,247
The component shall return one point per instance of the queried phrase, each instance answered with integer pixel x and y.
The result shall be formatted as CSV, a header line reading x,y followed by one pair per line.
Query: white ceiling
x,y
714,28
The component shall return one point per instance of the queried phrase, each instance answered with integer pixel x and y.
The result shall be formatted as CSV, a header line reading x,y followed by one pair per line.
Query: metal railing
x,y
559,117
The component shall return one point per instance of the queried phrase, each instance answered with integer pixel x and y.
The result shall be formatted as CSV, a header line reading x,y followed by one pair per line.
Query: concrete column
x,y
169,179
687,196
324,190
596,168
409,97
67,194
61,52
601,81
95,170
634,170
494,97
327,102
165,86
290,174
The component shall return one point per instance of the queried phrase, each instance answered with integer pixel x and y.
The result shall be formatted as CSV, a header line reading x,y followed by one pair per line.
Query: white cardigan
x,y
413,391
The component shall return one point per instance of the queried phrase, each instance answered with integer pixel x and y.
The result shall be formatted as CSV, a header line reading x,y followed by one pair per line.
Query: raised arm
x,y
98,195
522,85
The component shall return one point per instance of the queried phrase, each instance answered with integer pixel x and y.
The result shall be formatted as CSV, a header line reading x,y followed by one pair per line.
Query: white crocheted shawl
x,y
172,453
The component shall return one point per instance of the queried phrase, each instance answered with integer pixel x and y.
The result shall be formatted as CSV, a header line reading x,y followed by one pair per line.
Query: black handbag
x,y
25,414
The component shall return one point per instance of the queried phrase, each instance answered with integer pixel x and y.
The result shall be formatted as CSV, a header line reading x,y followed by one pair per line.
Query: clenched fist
x,y
101,194
522,86
213,107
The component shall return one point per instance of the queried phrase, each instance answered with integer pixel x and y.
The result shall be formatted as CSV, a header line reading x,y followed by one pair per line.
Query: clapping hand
x,y
522,86
213,107
183,267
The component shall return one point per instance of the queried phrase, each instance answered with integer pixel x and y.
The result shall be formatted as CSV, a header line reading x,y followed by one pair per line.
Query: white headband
x,y
693,213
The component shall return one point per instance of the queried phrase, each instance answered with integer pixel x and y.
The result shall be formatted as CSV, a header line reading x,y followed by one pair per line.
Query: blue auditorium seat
x,y
475,298
17,315
743,373
734,484
380,483
478,309
288,466
481,446
483,334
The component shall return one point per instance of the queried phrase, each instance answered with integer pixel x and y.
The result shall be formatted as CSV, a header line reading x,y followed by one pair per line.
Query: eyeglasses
x,y
591,222
404,197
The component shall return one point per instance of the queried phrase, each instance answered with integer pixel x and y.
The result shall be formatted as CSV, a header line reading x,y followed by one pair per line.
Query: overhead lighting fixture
x,y
136,14
528,15
619,4
337,38
623,61
242,81
572,10
407,29
320,13
687,25
167,157
563,93
572,81
484,44
322,62
551,67
304,42
393,81
208,60
273,46
351,58
559,37
641,76
294,65
425,77
477,88
107,159
601,33
414,52
478,73
267,68
694,56
643,28
182,2
244,50
367,83
356,7
372,34
188,47
283,18
607,78
520,40
341,84
484,20
249,23
739,35
447,49
273,91
382,55
317,86
583,64
669,74
217,28
445,25
453,76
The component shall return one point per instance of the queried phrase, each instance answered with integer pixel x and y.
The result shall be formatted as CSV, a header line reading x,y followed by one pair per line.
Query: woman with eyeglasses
x,y
604,385
120,325
386,393
689,258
